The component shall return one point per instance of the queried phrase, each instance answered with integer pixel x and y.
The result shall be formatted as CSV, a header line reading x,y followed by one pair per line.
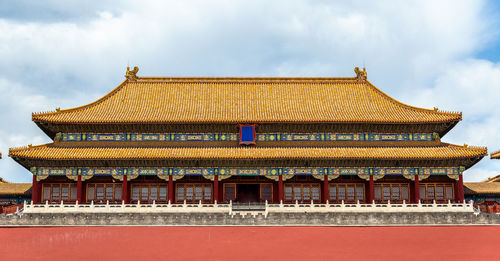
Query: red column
x,y
171,188
79,189
125,189
416,189
460,189
280,188
34,190
326,191
216,188
371,191
275,192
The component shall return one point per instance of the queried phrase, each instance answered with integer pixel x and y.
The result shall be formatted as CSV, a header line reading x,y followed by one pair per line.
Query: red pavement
x,y
250,243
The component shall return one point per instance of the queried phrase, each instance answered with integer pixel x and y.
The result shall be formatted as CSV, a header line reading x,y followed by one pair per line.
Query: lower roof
x,y
52,152
14,188
482,188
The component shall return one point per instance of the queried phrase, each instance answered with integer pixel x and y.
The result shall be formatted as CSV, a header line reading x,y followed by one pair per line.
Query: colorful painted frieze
x,y
289,172
183,137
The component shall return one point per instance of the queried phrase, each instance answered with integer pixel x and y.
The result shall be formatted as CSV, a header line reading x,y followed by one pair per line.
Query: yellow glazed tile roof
x,y
492,179
14,188
246,100
483,188
49,151
495,155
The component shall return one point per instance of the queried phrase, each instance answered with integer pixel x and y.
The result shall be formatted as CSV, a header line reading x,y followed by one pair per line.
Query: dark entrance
x,y
247,193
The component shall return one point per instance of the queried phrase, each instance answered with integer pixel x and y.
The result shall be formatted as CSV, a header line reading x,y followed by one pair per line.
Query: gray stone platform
x,y
247,219
248,215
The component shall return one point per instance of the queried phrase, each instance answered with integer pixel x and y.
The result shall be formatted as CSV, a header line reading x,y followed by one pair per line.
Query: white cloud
x,y
414,51
471,86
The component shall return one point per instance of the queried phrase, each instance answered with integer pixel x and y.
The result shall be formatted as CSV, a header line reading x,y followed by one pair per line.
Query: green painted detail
x,y
259,137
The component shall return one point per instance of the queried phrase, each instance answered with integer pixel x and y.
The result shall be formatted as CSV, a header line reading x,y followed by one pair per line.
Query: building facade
x,y
485,194
14,193
246,140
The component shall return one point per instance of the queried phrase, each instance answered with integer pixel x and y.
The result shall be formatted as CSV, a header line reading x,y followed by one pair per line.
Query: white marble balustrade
x,y
228,208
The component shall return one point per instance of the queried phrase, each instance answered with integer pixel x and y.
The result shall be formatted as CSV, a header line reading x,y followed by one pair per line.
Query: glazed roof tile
x,y
482,187
495,155
14,188
48,151
492,179
246,100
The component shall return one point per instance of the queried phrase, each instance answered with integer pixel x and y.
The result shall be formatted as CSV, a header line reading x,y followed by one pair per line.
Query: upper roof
x,y
495,155
246,100
14,188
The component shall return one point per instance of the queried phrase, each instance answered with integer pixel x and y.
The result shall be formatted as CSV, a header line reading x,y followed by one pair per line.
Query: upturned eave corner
x,y
495,155
12,152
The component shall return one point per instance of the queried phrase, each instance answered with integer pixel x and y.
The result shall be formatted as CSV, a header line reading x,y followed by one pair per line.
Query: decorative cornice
x,y
274,137
224,173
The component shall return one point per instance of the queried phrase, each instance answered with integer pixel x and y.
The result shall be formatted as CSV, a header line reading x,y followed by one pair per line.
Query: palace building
x,y
12,194
485,194
243,140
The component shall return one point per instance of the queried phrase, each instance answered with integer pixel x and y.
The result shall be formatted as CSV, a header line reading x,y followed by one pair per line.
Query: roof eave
x,y
51,128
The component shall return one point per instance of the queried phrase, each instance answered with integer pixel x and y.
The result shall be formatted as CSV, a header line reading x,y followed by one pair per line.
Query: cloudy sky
x,y
429,54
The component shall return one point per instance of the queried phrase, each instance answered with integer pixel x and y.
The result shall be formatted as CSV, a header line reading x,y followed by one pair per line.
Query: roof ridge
x,y
492,179
29,146
495,155
478,148
238,79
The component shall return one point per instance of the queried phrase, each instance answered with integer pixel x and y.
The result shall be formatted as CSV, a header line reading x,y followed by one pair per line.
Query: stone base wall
x,y
248,219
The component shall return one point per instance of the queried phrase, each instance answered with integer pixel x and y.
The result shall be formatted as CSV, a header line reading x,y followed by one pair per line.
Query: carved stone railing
x,y
231,210
127,208
365,208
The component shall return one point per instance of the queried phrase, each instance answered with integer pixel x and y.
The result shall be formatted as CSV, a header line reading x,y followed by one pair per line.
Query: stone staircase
x,y
245,209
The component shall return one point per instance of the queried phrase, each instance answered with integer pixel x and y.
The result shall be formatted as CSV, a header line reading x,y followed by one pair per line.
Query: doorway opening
x,y
247,193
